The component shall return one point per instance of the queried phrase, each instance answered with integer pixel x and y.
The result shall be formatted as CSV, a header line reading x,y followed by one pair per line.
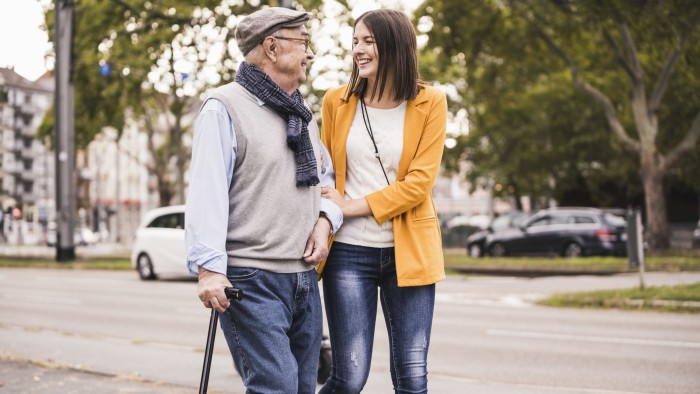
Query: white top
x,y
364,174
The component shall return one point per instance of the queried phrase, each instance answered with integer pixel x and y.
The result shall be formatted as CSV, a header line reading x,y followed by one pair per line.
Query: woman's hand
x,y
333,195
350,208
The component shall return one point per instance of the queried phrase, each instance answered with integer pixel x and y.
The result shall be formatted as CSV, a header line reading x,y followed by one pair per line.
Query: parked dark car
x,y
696,236
569,232
476,241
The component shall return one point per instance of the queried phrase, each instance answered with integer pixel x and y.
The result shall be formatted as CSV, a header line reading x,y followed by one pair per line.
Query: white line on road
x,y
35,298
502,300
589,338
539,387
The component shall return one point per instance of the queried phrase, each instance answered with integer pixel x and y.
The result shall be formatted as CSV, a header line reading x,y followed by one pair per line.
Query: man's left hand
x,y
317,245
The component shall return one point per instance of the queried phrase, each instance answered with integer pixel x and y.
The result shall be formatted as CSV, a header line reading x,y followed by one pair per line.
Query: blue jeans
x,y
351,280
274,333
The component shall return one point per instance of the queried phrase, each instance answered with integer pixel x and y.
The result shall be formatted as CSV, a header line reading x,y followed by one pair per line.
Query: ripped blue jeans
x,y
352,279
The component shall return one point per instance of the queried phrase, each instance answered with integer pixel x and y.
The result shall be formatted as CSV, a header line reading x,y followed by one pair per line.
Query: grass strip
x,y
665,263
101,263
679,298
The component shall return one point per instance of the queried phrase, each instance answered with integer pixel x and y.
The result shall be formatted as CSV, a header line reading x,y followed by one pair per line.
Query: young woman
x,y
385,132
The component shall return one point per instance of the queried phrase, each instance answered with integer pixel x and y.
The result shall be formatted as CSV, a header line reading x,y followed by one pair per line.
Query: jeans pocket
x,y
241,273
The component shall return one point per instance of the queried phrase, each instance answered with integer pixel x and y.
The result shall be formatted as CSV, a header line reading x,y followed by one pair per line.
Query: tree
x,y
620,55
162,56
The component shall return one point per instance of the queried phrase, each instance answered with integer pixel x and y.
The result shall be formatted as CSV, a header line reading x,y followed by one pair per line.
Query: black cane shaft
x,y
231,293
209,351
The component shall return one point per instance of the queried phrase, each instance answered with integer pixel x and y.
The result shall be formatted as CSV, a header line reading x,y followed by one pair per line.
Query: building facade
x,y
27,180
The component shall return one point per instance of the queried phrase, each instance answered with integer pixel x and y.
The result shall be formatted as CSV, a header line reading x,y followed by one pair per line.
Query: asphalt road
x,y
98,331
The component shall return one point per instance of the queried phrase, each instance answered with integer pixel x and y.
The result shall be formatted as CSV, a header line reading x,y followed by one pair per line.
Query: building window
x,y
4,94
27,118
27,98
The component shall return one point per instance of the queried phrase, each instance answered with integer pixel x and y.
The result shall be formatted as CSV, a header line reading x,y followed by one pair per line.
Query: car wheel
x,y
497,250
475,251
325,361
573,250
144,266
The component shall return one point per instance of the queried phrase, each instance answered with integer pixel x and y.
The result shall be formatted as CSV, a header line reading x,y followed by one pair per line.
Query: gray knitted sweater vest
x,y
270,218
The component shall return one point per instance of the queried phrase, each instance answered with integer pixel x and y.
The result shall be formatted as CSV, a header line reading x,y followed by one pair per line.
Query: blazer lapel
x,y
343,120
412,131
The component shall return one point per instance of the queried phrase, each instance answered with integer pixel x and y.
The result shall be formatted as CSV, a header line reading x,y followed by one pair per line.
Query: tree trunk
x,y
653,178
165,191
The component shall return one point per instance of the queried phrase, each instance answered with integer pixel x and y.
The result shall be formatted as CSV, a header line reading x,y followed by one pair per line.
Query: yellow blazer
x,y
408,202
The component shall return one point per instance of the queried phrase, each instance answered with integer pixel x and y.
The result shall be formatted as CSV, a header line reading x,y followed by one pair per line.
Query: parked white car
x,y
159,244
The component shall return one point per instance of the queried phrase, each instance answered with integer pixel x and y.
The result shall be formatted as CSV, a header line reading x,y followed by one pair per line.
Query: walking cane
x,y
231,293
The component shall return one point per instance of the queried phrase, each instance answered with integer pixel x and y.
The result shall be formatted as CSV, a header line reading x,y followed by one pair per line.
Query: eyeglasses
x,y
304,40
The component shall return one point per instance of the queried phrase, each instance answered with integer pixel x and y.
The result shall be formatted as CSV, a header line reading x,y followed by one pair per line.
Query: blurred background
x,y
552,103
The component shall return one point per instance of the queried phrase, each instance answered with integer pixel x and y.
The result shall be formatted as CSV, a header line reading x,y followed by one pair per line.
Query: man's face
x,y
293,56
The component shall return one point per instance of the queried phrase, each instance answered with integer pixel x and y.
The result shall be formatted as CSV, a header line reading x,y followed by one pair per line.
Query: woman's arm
x,y
351,208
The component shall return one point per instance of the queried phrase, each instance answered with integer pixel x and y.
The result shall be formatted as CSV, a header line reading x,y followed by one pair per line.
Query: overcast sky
x,y
22,42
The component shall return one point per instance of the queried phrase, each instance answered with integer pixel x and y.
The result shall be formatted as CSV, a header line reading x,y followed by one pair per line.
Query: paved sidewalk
x,y
21,376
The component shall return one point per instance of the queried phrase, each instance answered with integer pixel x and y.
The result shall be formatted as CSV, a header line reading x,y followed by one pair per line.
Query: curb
x,y
529,272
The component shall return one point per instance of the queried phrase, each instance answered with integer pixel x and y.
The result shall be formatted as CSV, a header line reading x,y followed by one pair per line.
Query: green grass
x,y
667,262
104,263
680,298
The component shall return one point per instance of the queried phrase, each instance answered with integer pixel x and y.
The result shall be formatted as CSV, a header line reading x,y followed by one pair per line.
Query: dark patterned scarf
x,y
292,109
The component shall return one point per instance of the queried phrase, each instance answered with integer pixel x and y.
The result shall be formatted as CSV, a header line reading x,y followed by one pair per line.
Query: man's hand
x,y
210,289
317,245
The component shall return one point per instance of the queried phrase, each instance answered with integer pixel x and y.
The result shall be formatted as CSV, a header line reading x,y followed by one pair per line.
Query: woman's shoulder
x,y
335,94
429,92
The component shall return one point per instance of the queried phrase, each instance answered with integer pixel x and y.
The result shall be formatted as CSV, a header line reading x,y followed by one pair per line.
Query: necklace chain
x,y
368,126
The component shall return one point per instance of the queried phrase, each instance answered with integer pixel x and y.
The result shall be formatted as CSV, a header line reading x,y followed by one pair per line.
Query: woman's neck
x,y
386,102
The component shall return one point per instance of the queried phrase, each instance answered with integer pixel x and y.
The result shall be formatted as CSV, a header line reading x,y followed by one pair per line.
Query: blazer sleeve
x,y
416,186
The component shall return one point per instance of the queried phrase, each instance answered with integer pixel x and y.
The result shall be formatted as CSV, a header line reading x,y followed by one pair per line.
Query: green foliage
x,y
163,56
530,130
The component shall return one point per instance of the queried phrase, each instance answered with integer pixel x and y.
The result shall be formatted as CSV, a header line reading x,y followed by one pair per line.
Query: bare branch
x,y
619,55
687,144
610,114
559,52
670,67
631,51
602,99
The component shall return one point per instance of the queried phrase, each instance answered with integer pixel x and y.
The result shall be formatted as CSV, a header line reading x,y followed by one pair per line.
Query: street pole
x,y
65,140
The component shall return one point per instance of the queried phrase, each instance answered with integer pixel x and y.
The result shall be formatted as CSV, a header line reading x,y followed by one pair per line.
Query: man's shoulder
x,y
223,89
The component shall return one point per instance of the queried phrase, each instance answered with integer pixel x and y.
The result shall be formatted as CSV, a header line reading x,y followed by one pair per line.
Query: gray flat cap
x,y
253,29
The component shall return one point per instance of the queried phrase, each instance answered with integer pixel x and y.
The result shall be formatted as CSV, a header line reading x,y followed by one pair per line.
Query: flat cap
x,y
253,29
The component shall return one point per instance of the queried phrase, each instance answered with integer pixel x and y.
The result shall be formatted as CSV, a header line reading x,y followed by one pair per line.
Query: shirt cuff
x,y
206,257
333,213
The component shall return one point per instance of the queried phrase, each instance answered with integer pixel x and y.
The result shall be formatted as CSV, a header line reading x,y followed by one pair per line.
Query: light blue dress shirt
x,y
214,156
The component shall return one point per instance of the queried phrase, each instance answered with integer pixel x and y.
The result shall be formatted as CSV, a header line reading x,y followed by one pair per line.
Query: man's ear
x,y
271,48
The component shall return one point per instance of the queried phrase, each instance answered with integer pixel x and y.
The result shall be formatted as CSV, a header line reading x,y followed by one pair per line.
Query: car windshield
x,y
500,223
518,220
614,220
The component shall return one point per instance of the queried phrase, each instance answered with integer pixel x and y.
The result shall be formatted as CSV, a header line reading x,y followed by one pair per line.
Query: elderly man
x,y
255,218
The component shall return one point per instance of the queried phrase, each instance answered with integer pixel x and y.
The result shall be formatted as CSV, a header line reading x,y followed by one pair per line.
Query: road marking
x,y
35,298
590,338
539,387
502,300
